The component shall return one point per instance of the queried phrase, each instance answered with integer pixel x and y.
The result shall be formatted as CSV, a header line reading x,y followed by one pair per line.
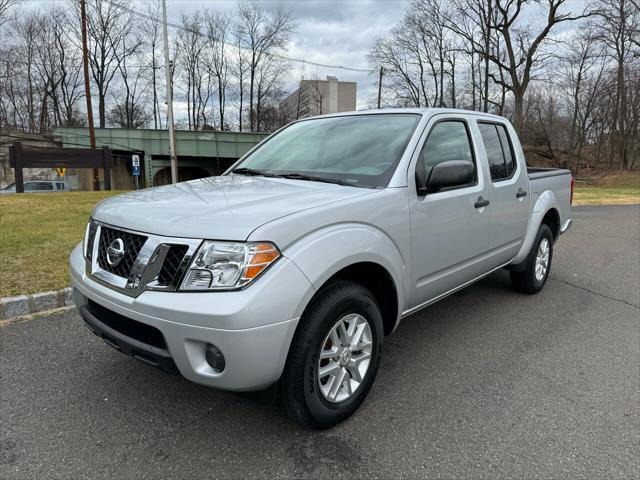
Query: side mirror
x,y
452,173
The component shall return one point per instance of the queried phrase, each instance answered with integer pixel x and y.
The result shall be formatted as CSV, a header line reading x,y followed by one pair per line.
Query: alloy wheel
x,y
345,356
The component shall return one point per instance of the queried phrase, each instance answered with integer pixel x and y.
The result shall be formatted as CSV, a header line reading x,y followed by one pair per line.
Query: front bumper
x,y
101,322
252,328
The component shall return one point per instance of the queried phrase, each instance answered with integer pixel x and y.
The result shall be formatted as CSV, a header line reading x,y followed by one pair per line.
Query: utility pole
x,y
167,69
87,91
380,87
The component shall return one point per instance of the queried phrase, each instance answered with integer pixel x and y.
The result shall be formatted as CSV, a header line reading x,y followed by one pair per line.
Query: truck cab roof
x,y
425,111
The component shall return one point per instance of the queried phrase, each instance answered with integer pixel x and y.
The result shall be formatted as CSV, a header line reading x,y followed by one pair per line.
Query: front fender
x,y
545,202
324,252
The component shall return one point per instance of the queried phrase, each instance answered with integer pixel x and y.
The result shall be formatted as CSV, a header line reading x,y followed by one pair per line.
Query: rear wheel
x,y
533,276
334,356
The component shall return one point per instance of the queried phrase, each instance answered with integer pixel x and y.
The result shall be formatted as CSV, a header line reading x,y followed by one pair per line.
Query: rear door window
x,y
507,149
499,151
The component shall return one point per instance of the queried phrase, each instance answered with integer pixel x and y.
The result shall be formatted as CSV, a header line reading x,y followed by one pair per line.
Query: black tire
x,y
300,394
523,277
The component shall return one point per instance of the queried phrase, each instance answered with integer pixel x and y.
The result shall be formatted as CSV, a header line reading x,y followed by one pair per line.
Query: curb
x,y
12,307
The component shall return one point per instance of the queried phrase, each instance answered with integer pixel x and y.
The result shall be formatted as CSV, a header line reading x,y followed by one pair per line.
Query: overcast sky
x,y
336,32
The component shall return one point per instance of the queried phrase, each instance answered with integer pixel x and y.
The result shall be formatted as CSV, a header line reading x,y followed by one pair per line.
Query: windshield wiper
x,y
292,176
313,178
252,172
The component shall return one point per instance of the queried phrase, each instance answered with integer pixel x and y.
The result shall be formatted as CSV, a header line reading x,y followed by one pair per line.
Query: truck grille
x,y
170,270
132,245
130,271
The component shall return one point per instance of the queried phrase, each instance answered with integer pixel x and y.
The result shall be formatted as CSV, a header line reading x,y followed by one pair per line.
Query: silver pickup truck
x,y
293,267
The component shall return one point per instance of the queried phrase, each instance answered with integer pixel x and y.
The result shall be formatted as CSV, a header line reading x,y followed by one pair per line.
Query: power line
x,y
199,33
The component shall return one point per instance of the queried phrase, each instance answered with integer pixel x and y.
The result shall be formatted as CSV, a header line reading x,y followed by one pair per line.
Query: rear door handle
x,y
481,202
521,193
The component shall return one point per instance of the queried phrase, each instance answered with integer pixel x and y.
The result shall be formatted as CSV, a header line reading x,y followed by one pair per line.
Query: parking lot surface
x,y
487,383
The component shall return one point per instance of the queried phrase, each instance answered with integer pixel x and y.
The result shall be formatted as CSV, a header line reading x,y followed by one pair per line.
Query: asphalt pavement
x,y
487,383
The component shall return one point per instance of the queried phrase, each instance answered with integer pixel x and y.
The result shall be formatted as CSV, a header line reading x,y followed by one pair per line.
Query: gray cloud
x,y
337,32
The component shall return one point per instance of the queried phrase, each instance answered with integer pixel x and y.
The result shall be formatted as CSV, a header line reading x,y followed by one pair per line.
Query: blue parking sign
x,y
135,165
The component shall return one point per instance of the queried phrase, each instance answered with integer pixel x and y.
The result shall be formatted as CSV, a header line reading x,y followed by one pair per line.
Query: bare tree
x,y
263,34
190,45
110,24
546,123
432,13
28,34
268,83
218,25
583,80
40,85
129,110
618,28
239,71
524,46
419,56
472,21
634,119
49,69
58,66
5,6
152,39
71,81
128,116
404,69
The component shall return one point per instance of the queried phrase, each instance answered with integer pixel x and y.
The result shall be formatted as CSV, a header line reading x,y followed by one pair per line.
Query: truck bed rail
x,y
538,172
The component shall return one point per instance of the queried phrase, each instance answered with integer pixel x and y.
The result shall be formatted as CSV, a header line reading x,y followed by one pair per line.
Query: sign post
x,y
135,167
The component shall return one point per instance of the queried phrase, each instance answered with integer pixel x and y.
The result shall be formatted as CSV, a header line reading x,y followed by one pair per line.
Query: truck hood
x,y
220,208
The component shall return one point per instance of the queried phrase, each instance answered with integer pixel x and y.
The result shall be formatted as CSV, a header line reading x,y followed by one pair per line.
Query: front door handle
x,y
521,193
481,202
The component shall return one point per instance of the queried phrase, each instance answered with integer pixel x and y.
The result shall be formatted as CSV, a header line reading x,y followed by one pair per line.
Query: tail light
x,y
571,198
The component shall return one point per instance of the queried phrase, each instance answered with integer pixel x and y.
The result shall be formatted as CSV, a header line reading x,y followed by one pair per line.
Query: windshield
x,y
360,150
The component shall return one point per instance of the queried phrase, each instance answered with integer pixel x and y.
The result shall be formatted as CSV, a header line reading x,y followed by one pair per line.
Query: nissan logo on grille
x,y
115,252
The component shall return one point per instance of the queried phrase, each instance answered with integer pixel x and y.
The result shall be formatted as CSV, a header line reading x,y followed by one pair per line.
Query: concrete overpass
x,y
200,153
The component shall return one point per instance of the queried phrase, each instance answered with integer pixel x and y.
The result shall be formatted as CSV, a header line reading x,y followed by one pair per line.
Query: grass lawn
x,y
616,188
37,233
594,195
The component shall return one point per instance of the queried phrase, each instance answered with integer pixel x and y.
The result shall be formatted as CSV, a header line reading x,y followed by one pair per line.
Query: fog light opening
x,y
214,358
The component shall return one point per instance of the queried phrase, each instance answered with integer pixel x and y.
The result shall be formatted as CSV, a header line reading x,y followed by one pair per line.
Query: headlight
x,y
224,265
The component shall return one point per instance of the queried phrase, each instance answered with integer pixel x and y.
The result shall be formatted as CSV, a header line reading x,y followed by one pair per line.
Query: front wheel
x,y
334,356
533,276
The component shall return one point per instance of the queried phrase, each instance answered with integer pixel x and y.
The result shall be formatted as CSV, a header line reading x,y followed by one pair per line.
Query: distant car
x,y
38,186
